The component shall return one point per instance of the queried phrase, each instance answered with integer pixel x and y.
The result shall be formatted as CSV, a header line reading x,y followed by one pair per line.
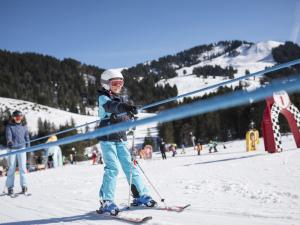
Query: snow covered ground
x,y
229,187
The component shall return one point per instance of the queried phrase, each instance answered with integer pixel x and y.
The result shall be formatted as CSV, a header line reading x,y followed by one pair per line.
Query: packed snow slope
x,y
230,187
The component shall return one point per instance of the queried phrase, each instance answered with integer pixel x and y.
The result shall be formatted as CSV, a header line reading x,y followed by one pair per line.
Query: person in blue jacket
x,y
17,137
114,147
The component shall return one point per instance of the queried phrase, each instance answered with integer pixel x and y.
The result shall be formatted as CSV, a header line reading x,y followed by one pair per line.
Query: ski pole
x,y
129,191
161,199
133,162
4,188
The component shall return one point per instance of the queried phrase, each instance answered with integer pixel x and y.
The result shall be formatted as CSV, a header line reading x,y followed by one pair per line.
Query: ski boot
x,y
24,190
144,200
10,191
110,207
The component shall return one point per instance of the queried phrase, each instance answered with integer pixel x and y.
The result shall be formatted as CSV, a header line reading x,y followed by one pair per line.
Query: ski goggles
x,y
18,117
118,82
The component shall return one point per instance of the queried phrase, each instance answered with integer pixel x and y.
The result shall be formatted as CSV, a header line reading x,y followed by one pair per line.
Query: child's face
x,y
116,85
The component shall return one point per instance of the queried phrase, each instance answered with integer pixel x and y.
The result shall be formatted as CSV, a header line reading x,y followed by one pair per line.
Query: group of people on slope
x,y
212,147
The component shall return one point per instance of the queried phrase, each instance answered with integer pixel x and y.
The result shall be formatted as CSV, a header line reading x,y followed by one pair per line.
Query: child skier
x,y
114,145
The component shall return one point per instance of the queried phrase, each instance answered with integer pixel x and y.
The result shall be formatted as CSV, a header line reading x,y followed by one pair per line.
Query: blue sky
x,y
111,33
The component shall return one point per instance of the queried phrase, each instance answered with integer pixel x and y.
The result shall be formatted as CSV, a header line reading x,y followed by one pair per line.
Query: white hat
x,y
109,74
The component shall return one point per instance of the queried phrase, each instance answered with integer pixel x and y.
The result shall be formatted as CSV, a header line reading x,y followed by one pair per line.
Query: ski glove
x,y
131,110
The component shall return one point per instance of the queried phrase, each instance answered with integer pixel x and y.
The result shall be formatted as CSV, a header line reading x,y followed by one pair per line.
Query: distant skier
x,y
212,145
173,150
182,148
192,138
17,137
114,147
94,157
199,147
100,159
162,148
73,156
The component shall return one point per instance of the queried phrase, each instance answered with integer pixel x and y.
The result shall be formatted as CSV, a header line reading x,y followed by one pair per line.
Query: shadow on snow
x,y
90,216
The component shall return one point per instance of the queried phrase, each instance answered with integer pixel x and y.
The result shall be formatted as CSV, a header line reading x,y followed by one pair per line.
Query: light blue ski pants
x,y
113,153
12,161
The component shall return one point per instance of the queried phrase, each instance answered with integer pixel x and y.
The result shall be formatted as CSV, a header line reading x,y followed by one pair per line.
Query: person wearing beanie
x,y
17,137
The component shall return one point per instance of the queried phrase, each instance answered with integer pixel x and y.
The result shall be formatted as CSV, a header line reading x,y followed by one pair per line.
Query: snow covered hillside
x,y
251,57
34,111
231,187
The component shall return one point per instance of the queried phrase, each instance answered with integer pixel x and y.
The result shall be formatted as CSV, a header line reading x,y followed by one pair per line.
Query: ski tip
x,y
188,205
145,219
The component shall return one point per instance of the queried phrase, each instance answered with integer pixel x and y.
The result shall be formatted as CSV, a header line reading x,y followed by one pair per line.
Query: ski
x,y
25,194
125,217
6,194
14,195
173,208
159,207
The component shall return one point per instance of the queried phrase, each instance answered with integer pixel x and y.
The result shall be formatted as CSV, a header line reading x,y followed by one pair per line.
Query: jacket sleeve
x,y
110,106
8,134
27,139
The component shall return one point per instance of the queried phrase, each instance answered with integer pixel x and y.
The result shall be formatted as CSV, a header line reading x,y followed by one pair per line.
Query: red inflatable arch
x,y
279,103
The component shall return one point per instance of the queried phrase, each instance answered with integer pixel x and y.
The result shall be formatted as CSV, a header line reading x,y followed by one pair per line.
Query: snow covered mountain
x,y
251,57
231,187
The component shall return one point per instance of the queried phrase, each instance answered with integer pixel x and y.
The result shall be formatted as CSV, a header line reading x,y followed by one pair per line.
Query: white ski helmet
x,y
109,74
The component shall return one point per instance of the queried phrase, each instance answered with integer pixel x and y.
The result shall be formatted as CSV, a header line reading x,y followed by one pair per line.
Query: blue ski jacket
x,y
109,104
18,134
